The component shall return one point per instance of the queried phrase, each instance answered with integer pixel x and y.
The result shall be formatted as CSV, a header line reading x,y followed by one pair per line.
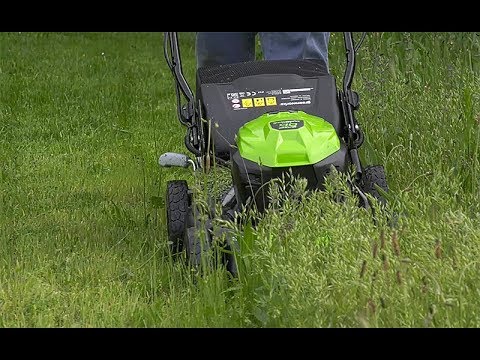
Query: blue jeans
x,y
218,48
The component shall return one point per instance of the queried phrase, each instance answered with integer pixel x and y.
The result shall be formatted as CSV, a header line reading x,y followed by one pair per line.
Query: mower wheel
x,y
197,243
177,206
372,177
201,253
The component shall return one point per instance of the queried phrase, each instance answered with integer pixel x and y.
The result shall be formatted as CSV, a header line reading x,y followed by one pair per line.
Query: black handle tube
x,y
350,68
176,66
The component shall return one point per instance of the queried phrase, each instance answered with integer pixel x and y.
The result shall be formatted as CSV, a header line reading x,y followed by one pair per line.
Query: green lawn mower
x,y
261,120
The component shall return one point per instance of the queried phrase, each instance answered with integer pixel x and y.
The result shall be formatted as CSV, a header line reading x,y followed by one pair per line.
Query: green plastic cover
x,y
287,138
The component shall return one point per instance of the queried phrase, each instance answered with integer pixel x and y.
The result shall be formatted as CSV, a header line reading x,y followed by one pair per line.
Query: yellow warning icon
x,y
271,100
247,103
259,101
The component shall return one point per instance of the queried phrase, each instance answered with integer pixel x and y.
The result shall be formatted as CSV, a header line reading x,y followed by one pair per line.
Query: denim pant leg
x,y
218,48
295,45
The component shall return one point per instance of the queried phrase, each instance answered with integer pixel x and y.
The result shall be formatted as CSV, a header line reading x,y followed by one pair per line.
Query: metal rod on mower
x,y
350,103
186,112
350,68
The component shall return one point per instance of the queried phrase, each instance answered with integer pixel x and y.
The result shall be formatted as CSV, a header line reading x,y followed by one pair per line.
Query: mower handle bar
x,y
171,50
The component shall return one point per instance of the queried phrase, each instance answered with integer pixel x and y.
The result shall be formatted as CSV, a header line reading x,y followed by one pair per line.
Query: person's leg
x,y
219,48
295,45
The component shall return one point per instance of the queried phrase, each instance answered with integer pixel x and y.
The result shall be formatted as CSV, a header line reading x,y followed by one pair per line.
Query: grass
x,y
83,119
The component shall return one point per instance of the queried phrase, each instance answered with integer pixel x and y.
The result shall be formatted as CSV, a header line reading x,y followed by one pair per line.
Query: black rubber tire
x,y
229,259
196,248
373,176
176,205
199,249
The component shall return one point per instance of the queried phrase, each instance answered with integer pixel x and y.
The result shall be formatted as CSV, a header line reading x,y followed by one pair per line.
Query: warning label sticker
x,y
259,101
274,92
247,103
289,91
271,100
273,97
304,99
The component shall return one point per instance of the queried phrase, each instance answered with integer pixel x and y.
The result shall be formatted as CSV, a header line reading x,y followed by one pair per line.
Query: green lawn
x,y
83,119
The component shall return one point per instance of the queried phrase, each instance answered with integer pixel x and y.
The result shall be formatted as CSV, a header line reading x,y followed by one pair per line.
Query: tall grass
x,y
83,119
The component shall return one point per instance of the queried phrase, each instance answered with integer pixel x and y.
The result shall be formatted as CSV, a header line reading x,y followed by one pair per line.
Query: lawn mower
x,y
262,119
